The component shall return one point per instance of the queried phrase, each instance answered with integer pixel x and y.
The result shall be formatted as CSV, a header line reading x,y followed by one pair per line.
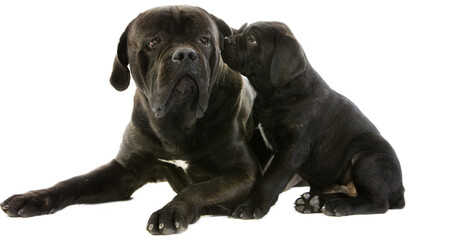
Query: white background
x,y
60,117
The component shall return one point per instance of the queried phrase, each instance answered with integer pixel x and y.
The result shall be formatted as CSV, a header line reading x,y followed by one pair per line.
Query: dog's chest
x,y
177,162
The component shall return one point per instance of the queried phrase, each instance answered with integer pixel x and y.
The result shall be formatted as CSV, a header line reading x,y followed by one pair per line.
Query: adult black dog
x,y
316,134
190,125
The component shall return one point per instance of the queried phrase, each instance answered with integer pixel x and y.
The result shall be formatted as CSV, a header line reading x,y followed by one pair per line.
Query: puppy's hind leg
x,y
377,178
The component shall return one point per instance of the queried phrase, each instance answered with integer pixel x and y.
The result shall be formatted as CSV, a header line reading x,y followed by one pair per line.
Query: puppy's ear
x,y
242,27
288,61
223,29
235,31
120,76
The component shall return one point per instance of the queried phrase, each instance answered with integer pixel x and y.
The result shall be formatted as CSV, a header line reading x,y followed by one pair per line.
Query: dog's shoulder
x,y
232,96
241,89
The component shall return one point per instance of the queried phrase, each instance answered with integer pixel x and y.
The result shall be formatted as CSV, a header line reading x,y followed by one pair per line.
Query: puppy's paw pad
x,y
308,203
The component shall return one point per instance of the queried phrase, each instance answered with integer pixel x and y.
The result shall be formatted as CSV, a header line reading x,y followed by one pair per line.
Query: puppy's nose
x,y
184,54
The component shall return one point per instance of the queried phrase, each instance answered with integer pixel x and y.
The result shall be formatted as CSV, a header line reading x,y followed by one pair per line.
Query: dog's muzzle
x,y
233,54
188,84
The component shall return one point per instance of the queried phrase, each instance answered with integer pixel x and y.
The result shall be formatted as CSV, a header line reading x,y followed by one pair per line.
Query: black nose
x,y
184,54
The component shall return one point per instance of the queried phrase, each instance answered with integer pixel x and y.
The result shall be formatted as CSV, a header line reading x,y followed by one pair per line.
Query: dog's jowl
x,y
317,135
190,126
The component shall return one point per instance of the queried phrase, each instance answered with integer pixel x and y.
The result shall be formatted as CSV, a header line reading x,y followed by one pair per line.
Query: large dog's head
x,y
266,52
174,57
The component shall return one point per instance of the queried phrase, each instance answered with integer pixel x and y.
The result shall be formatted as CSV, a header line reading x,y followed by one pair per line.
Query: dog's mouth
x,y
184,91
184,87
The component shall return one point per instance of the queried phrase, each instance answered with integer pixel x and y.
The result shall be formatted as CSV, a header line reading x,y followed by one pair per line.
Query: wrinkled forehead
x,y
173,20
258,30
268,28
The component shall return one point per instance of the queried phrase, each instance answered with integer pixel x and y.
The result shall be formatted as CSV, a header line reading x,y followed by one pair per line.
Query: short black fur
x,y
316,134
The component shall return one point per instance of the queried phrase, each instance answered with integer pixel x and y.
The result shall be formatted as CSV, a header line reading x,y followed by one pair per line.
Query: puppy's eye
x,y
252,39
154,42
205,41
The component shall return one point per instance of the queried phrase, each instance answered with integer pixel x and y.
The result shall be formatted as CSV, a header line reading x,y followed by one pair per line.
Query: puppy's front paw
x,y
251,209
30,204
337,207
308,203
172,218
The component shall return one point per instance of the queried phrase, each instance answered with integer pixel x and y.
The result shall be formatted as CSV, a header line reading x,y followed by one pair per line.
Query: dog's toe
x,y
336,207
170,219
30,204
244,212
251,209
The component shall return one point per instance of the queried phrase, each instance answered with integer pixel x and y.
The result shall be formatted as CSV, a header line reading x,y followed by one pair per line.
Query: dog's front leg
x,y
266,191
236,170
109,182
187,206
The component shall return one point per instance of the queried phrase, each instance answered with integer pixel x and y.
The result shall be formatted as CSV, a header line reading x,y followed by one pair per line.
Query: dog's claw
x,y
170,220
21,212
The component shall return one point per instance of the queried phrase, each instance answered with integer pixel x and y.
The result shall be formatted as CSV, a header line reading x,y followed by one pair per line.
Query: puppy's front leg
x,y
266,191
107,183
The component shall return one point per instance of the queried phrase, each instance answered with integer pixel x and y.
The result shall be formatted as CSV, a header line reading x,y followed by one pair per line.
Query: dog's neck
x,y
179,117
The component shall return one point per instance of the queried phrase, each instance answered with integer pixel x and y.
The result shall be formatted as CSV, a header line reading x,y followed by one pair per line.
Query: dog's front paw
x,y
337,207
30,204
251,209
172,218
308,203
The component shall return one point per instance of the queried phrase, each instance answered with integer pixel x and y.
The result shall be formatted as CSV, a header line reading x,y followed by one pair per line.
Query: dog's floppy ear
x,y
120,76
288,61
223,29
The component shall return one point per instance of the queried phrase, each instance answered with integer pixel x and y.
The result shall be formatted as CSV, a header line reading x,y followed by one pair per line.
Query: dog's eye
x,y
251,39
154,42
205,41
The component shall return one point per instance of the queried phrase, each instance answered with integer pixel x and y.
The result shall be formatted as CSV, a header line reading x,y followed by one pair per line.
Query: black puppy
x,y
315,133
190,126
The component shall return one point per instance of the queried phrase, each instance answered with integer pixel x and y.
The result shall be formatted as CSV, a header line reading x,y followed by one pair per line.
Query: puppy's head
x,y
174,56
266,52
